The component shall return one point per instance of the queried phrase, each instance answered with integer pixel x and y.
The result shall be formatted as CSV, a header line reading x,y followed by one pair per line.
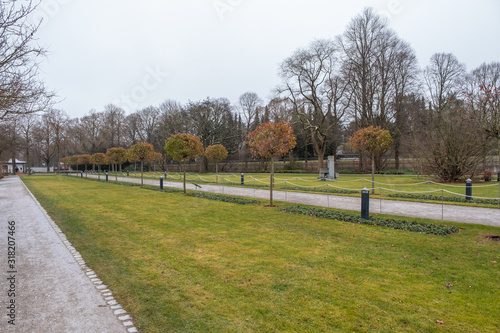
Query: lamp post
x,y
365,203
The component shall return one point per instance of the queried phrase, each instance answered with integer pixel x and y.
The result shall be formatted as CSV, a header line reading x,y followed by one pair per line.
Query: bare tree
x,y
443,78
212,121
45,139
405,78
114,118
57,121
362,44
451,143
172,120
313,84
26,128
483,95
92,127
147,123
21,91
249,104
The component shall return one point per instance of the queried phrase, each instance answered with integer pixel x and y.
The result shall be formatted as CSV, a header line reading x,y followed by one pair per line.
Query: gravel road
x,y
47,286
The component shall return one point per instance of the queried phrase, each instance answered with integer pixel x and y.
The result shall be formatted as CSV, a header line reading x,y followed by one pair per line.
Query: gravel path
x,y
48,288
464,214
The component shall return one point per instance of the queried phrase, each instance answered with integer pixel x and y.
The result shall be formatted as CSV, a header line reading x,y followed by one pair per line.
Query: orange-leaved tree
x,y
271,141
84,160
73,160
64,160
183,147
99,159
141,152
116,156
373,140
216,153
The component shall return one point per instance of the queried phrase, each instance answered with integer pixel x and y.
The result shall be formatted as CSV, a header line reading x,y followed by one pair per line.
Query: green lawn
x,y
184,264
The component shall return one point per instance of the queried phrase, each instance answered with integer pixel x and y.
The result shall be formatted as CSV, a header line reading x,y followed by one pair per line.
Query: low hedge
x,y
223,198
425,228
447,199
319,189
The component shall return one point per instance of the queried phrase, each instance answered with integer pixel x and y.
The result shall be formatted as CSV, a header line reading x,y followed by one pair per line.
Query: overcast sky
x,y
141,53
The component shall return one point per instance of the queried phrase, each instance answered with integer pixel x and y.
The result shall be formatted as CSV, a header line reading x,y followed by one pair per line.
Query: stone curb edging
x,y
106,294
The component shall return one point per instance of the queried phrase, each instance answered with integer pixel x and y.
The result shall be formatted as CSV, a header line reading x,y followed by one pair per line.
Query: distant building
x,y
21,166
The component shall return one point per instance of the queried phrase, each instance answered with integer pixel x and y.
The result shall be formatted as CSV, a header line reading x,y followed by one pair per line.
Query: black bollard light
x,y
127,173
161,183
468,189
165,175
81,174
106,176
365,203
242,179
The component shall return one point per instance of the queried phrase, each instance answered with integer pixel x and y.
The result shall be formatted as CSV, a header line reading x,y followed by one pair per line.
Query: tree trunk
x,y
271,184
184,182
203,164
397,144
321,157
216,173
373,174
320,148
142,172
99,172
14,164
498,174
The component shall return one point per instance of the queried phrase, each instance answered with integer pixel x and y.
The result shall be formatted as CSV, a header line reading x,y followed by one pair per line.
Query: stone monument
x,y
329,174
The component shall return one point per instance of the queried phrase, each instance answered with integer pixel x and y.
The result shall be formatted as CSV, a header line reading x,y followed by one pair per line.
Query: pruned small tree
x,y
84,160
183,147
158,159
63,160
141,152
99,159
73,160
216,153
116,156
372,140
271,141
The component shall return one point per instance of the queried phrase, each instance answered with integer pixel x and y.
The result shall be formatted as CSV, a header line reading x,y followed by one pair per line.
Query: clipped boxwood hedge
x,y
425,228
319,189
224,198
448,199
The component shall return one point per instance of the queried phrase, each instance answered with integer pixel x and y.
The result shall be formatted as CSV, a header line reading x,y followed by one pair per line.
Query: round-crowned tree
x,y
73,160
141,152
183,147
271,141
84,160
373,140
99,159
216,153
116,156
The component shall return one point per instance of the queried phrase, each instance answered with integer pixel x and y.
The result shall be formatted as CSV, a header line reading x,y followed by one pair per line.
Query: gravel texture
x,y
49,283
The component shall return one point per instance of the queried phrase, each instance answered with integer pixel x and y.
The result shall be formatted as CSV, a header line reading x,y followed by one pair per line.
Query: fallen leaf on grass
x,y
448,285
494,262
440,322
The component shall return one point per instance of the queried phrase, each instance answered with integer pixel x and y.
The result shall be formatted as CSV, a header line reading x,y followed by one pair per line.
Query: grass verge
x,y
184,264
